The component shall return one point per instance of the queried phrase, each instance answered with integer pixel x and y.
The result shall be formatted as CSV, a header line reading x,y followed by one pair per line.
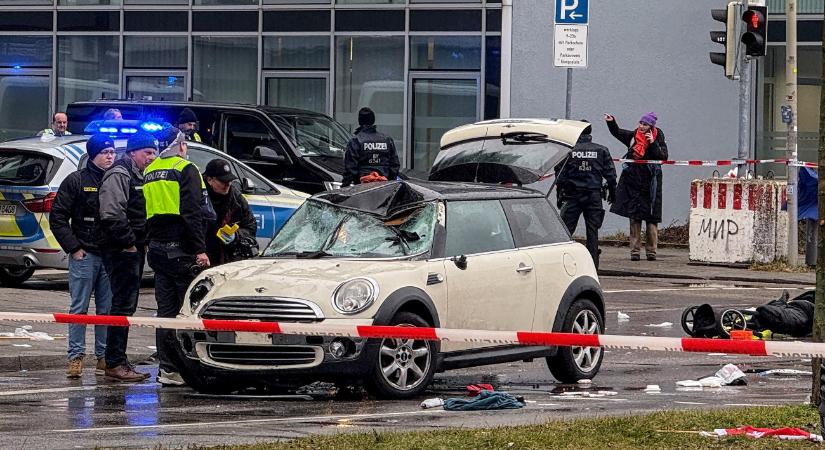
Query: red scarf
x,y
640,143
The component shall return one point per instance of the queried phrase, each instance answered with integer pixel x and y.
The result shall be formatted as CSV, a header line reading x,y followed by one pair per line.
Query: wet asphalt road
x,y
42,409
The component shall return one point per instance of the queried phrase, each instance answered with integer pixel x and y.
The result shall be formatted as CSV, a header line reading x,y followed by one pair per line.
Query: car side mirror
x,y
247,185
460,261
268,154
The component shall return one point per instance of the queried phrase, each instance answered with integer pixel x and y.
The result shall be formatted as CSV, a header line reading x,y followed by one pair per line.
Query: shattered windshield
x,y
319,229
314,135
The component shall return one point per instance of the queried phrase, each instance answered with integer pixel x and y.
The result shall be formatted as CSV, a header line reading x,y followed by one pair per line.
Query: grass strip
x,y
661,430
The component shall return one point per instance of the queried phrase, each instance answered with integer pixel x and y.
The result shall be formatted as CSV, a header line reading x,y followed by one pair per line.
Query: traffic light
x,y
726,38
756,30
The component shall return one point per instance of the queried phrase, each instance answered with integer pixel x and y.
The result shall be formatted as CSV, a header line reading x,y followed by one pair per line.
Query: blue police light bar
x,y
123,128
151,127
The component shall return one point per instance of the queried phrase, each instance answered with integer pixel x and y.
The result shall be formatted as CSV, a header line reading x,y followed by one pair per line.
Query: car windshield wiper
x,y
404,238
315,254
523,137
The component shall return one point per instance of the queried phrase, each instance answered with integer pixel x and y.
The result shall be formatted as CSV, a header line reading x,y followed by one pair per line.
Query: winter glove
x,y
611,196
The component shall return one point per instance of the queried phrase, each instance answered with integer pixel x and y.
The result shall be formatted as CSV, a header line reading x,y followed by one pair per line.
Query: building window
x,y
225,69
151,52
296,52
492,76
88,2
87,68
370,72
24,52
445,53
383,2
226,2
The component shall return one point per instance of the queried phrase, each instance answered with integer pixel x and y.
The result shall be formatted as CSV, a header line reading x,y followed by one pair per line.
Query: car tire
x,y
571,364
396,371
14,276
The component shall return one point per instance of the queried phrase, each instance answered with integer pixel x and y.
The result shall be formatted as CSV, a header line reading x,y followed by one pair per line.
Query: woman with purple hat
x,y
639,193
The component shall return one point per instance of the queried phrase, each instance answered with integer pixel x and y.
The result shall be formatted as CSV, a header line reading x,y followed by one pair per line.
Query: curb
x,y
625,273
50,361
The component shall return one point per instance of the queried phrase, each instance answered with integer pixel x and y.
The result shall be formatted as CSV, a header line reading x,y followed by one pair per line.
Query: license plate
x,y
252,338
8,210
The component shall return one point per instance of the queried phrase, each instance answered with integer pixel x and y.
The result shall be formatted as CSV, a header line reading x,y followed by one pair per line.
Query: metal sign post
x,y
570,23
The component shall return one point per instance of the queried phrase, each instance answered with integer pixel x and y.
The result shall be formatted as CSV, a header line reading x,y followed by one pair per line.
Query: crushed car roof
x,y
388,199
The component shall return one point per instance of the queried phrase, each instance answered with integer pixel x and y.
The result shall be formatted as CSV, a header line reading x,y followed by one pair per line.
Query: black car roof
x,y
389,199
263,108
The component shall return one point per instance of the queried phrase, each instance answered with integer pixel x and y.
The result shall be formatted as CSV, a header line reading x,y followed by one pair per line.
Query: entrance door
x,y
438,103
155,85
24,103
302,90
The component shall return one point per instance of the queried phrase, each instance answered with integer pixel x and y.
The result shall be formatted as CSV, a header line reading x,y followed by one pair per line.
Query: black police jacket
x,y
230,208
370,151
588,165
75,215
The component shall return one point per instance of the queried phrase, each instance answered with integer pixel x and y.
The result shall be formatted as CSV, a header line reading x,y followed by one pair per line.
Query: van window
x,y
24,168
477,227
243,133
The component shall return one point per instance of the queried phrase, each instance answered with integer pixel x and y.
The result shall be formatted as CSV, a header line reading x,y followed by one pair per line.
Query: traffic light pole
x,y
793,170
744,112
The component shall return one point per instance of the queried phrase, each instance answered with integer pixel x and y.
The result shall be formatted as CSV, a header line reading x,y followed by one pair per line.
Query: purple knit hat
x,y
649,119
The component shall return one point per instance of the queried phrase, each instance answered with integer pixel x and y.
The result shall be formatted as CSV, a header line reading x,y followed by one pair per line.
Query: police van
x,y
31,170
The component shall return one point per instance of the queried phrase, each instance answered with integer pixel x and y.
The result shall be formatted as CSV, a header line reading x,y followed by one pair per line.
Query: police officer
x,y
187,123
580,188
59,126
231,208
369,151
123,241
175,195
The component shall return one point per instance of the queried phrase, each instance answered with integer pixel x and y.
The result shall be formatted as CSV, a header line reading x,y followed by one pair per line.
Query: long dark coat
x,y
639,193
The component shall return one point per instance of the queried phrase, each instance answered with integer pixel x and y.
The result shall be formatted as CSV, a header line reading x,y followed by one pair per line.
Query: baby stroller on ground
x,y
792,317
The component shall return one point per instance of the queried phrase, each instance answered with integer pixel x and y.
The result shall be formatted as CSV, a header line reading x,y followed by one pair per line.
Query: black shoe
x,y
651,257
634,257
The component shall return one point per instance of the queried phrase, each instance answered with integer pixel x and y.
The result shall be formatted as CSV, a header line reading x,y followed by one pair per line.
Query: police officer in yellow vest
x,y
175,195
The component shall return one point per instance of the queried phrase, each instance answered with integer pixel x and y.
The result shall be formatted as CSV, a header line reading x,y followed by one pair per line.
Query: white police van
x,y
31,170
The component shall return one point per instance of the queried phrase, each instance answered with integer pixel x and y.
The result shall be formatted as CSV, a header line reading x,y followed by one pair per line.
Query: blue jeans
x,y
86,276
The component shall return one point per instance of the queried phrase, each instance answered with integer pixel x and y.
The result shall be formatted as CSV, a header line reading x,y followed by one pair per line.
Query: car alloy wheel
x,y
586,358
404,363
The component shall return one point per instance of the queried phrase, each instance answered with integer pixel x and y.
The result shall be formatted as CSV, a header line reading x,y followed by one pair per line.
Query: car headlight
x,y
199,291
354,296
332,185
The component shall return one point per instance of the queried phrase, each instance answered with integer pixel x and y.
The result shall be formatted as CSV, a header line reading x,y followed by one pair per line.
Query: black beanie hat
x,y
187,116
366,117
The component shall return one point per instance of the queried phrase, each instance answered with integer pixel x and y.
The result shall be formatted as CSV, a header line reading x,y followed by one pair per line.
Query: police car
x,y
31,170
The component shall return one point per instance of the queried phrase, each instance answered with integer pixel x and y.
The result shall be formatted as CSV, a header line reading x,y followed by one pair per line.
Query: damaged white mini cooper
x,y
479,253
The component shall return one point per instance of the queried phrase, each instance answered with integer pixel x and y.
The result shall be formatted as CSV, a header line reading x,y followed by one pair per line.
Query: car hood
x,y
310,279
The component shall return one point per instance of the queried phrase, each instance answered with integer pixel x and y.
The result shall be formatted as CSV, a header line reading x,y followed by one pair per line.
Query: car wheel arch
x,y
582,287
408,299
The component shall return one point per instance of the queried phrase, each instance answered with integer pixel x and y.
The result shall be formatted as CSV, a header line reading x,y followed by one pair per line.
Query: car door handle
x,y
524,269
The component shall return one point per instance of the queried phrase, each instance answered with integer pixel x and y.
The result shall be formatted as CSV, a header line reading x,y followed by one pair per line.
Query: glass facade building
x,y
424,66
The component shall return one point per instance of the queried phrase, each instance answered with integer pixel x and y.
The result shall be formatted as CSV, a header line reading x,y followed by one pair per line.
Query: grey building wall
x,y
644,55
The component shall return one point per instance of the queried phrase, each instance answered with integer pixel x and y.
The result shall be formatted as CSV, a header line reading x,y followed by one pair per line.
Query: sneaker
x,y
634,257
100,368
170,378
651,257
124,373
75,369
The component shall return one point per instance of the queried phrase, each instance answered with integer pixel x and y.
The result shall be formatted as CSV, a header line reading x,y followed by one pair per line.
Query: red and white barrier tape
x,y
717,163
746,347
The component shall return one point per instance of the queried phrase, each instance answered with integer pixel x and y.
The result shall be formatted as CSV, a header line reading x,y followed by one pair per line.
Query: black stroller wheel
x,y
688,322
730,320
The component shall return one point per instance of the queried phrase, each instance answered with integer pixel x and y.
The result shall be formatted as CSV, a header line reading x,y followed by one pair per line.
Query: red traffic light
x,y
754,19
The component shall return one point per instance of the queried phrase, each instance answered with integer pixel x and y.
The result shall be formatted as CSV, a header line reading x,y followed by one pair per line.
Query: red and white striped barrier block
x,y
782,349
735,220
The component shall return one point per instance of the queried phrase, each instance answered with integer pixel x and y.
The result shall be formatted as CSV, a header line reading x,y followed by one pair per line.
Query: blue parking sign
x,y
572,11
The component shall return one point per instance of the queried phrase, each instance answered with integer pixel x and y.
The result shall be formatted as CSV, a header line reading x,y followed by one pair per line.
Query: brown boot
x,y
75,369
125,374
100,369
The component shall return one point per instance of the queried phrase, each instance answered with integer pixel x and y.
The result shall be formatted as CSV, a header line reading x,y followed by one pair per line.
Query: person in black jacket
x,y
75,222
639,193
370,155
231,208
580,188
123,240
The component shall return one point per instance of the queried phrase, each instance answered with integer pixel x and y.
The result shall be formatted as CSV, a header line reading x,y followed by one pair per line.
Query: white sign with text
x,y
570,45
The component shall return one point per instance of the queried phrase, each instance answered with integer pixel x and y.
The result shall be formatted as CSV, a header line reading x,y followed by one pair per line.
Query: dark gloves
x,y
611,196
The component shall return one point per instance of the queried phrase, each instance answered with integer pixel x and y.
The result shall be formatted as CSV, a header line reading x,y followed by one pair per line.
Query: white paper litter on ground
x,y
653,388
622,317
729,374
785,372
660,325
25,331
432,403
22,345
707,382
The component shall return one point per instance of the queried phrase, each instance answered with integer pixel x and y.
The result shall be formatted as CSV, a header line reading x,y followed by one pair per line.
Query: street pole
x,y
793,171
819,307
506,57
568,101
744,111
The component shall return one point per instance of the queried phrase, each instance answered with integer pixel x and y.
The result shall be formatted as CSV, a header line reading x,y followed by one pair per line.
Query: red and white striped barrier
x,y
746,347
716,163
